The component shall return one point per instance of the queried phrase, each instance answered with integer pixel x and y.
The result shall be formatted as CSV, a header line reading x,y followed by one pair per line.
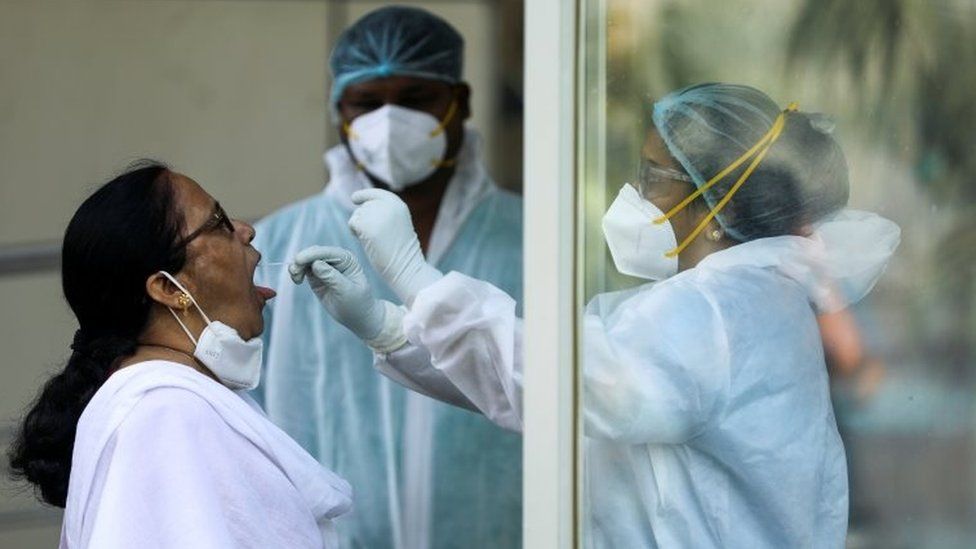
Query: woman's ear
x,y
162,290
713,234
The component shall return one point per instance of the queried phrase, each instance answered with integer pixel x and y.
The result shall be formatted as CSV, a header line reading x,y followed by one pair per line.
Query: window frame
x,y
551,444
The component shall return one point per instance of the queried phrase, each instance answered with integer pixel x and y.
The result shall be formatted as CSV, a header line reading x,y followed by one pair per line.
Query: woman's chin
x,y
251,327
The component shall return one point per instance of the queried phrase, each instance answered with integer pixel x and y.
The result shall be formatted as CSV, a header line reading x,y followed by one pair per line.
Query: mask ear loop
x,y
761,147
442,125
192,300
347,130
441,128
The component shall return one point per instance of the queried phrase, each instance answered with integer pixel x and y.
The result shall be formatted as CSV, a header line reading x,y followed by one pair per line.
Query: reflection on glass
x,y
730,241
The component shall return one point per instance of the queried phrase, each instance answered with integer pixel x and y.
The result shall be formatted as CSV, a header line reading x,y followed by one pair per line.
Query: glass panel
x,y
801,374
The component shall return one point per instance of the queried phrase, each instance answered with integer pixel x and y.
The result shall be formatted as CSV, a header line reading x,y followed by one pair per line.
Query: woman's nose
x,y
245,230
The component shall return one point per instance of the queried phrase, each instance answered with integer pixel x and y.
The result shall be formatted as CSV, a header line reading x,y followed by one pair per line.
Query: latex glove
x,y
337,279
382,224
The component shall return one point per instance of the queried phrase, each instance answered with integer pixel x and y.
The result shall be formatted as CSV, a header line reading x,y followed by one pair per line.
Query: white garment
x,y
166,457
706,405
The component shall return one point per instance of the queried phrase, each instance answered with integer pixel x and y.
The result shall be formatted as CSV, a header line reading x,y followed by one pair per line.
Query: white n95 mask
x,y
399,146
636,243
235,362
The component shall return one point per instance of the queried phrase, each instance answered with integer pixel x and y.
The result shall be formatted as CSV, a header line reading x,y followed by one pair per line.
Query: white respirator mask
x,y
399,146
235,362
638,244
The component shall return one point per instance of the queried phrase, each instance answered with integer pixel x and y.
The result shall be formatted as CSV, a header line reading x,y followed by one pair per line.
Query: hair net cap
x,y
803,178
396,41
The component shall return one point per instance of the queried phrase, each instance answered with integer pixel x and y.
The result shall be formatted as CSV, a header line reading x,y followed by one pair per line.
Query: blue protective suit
x,y
424,474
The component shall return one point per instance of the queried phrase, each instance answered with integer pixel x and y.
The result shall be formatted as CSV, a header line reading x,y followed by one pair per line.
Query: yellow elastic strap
x,y
761,147
451,111
447,119
446,163
347,129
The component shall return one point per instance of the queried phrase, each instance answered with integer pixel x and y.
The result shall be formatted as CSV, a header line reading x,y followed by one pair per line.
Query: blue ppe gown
x,y
424,474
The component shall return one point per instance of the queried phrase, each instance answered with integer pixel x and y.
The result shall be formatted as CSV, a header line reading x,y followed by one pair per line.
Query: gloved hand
x,y
382,224
338,281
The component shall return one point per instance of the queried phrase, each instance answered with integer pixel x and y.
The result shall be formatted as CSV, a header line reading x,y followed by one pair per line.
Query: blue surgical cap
x,y
396,41
803,178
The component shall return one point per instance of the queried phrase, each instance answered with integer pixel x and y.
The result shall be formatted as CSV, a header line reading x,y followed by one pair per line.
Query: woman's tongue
x,y
265,292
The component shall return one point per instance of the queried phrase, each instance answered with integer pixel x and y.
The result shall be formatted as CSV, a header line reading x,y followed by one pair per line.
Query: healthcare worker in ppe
x,y
707,412
425,474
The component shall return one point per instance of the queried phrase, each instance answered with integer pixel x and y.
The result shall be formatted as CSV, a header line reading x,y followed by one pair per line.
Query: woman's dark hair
x,y
123,233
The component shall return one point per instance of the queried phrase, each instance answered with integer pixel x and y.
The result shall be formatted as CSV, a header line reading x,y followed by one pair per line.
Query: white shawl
x,y
167,457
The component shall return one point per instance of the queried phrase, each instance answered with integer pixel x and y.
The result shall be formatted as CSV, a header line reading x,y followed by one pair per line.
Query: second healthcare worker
x,y
425,474
707,412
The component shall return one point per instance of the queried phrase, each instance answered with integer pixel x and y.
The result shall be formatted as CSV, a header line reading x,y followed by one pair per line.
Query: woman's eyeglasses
x,y
217,219
650,175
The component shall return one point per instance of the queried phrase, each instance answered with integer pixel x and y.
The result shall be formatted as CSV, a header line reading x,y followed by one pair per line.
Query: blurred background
x,y
231,92
898,77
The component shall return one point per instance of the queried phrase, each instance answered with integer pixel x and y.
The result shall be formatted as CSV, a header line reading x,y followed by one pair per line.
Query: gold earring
x,y
715,235
184,302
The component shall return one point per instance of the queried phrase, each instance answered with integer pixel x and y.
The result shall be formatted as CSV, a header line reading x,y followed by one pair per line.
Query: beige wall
x,y
232,93
229,92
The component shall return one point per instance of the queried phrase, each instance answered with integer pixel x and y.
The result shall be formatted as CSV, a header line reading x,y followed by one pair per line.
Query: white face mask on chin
x,y
399,146
636,243
235,362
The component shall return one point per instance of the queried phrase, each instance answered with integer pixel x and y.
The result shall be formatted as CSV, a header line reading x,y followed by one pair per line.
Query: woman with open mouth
x,y
148,438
